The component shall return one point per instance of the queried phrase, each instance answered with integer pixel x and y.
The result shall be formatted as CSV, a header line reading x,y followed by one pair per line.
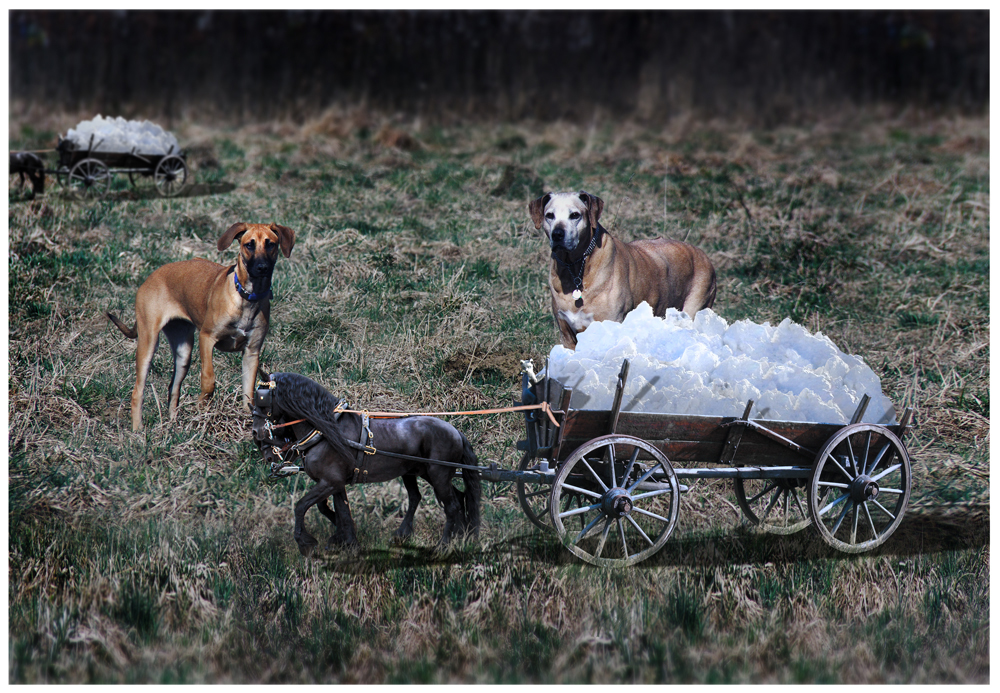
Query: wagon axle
x,y
864,488
616,503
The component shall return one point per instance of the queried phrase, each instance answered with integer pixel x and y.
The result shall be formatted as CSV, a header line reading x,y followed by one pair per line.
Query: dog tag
x,y
577,294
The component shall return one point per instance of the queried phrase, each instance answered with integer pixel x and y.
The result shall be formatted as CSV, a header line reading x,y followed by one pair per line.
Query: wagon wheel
x,y
626,510
777,506
89,180
534,497
170,176
859,488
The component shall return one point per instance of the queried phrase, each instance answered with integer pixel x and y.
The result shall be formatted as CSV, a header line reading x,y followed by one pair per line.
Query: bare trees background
x,y
767,65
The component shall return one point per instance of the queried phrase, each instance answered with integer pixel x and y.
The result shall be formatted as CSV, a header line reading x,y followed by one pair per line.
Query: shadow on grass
x,y
928,532
193,190
141,193
378,560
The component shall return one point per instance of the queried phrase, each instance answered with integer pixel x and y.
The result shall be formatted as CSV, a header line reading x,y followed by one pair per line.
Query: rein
x,y
544,406
284,468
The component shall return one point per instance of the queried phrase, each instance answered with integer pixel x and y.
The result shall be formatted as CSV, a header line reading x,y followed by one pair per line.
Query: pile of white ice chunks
x,y
123,136
703,366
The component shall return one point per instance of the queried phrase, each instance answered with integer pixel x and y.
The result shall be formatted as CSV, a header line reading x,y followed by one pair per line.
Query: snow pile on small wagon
x,y
703,366
124,136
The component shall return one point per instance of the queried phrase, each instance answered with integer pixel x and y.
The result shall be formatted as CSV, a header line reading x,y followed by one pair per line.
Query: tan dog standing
x,y
597,277
230,307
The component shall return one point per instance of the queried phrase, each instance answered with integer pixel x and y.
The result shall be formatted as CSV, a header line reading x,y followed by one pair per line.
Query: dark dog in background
x,y
595,276
32,166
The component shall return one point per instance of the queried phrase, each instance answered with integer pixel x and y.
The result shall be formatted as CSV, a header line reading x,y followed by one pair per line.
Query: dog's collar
x,y
253,297
578,278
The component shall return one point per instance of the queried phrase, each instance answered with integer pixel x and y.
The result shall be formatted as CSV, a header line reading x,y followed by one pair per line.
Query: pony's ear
x,y
232,232
286,238
595,206
537,209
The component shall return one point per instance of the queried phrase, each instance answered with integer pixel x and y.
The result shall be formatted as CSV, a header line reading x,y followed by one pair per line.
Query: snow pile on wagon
x,y
123,136
703,366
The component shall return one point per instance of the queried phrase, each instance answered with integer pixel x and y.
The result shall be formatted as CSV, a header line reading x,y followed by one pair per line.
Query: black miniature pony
x,y
323,437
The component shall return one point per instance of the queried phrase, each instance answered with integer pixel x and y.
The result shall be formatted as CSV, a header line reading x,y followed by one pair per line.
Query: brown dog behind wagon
x,y
595,276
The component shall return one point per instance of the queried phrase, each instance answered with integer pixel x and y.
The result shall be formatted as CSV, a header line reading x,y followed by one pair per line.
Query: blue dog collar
x,y
248,296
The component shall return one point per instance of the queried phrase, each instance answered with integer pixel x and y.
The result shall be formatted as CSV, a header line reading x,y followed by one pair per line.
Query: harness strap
x,y
364,448
287,424
425,460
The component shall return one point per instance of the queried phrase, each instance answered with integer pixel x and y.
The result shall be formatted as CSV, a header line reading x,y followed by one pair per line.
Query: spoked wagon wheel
x,y
89,180
777,506
625,511
859,488
534,497
170,176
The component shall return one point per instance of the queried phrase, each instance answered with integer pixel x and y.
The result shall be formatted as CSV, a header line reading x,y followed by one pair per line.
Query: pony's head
x,y
294,396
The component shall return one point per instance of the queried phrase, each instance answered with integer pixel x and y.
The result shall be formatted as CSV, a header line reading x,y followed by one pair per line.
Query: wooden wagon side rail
x,y
702,438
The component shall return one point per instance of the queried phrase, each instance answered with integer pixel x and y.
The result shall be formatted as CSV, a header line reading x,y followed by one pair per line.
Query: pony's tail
x,y
473,494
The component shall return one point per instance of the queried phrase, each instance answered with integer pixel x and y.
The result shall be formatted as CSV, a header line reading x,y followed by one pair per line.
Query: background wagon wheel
x,y
170,176
625,511
89,180
534,497
859,488
777,506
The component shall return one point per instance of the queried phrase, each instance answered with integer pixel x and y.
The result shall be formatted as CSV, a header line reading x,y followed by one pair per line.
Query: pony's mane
x,y
300,397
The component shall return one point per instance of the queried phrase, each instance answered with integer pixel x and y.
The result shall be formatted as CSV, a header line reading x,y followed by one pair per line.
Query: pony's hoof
x,y
336,541
306,545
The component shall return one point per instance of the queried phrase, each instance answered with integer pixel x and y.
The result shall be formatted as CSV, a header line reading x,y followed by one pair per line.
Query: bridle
x,y
280,466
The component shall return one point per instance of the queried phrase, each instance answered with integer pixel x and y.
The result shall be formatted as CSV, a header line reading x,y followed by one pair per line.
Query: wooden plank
x,y
736,432
616,405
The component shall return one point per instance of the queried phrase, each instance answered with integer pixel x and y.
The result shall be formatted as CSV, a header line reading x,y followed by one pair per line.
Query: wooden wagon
x,y
86,173
609,482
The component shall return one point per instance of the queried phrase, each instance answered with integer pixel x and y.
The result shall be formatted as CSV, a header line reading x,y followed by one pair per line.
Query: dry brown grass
x,y
417,282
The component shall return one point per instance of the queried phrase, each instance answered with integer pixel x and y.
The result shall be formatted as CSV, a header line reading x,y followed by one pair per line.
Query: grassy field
x,y
418,282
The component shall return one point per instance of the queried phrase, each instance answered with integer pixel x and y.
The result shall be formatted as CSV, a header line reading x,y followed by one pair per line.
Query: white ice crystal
x,y
120,135
704,366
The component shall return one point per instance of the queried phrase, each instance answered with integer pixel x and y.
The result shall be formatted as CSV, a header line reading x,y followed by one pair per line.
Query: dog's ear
x,y
537,209
286,238
227,238
595,206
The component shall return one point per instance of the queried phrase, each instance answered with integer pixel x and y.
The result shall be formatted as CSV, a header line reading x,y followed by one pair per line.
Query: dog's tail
x,y
130,332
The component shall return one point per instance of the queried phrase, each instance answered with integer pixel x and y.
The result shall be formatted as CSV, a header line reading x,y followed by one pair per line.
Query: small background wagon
x,y
86,172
